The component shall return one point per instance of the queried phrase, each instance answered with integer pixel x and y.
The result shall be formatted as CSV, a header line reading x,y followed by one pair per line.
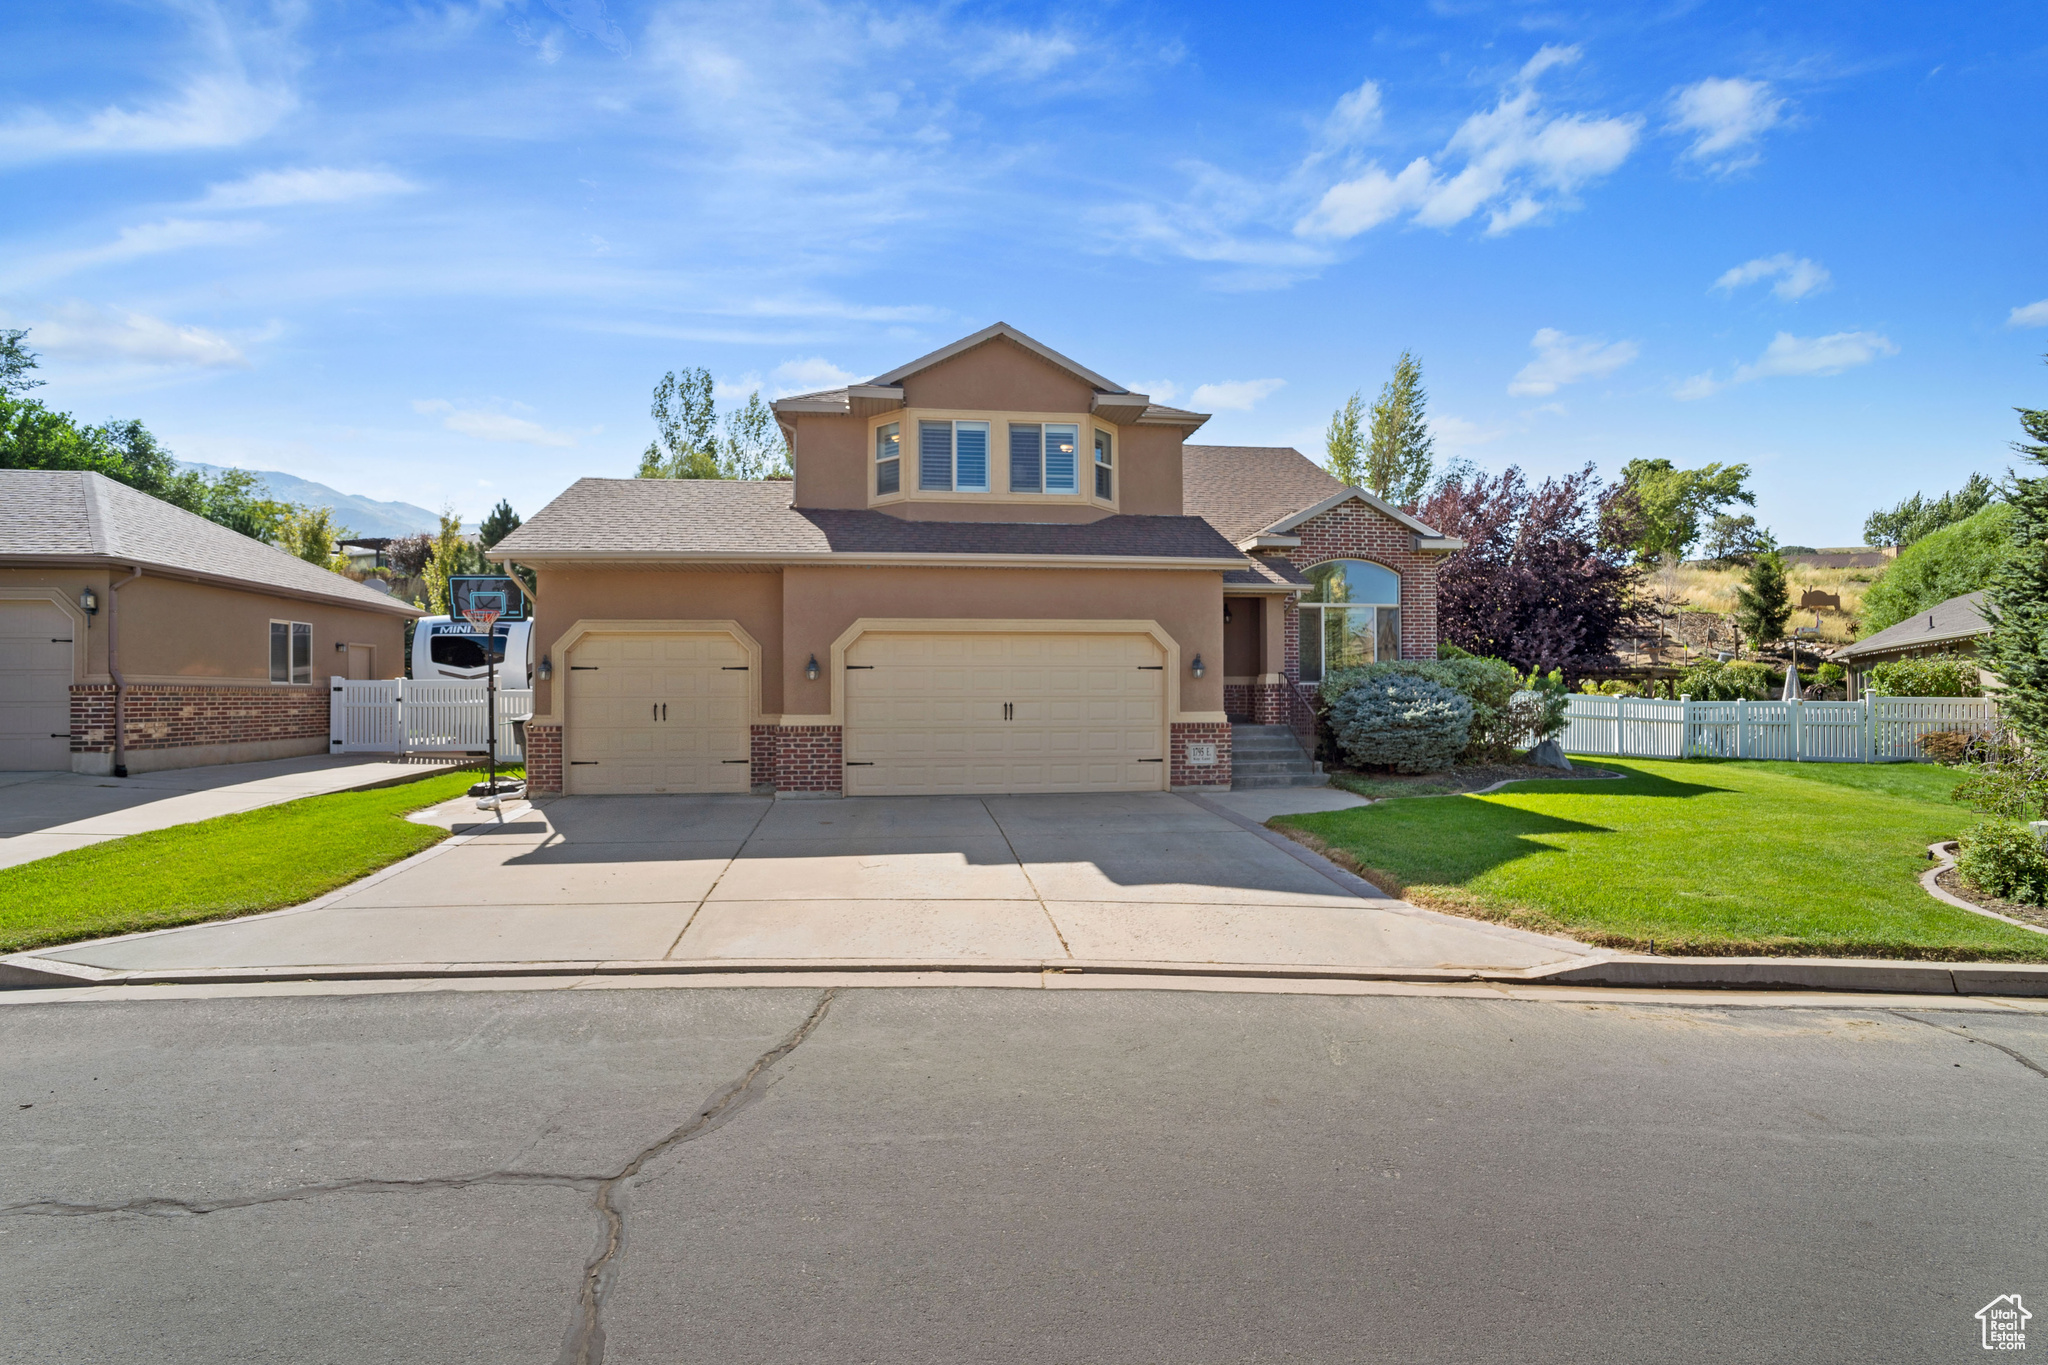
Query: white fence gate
x,y
403,716
1872,730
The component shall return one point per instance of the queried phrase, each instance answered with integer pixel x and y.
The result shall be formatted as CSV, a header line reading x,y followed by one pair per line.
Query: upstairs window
x,y
1060,465
1105,485
889,458
291,652
1042,457
952,457
1352,616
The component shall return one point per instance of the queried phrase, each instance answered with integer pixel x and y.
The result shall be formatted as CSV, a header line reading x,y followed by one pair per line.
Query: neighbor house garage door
x,y
950,713
35,687
657,713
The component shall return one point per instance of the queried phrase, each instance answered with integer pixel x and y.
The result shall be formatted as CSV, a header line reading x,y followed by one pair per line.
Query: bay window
x,y
889,458
1351,616
952,457
1104,485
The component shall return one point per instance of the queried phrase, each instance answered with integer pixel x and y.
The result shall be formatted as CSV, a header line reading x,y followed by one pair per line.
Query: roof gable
x,y
1008,333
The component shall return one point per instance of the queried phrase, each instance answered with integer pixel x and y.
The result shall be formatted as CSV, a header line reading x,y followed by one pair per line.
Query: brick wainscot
x,y
179,725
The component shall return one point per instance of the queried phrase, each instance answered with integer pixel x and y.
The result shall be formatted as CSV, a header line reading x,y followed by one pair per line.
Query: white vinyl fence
x,y
1872,730
407,717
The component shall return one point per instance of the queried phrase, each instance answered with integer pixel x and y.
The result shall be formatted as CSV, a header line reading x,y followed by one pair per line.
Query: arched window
x,y
1351,616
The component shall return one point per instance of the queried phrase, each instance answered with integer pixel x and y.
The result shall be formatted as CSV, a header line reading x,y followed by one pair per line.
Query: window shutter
x,y
1025,473
935,455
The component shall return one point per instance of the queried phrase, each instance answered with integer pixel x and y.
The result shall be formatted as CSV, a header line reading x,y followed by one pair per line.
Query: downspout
x,y
114,668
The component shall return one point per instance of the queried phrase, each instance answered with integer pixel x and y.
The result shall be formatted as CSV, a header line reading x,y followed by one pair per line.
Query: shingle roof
x,y
1241,490
1267,571
657,519
73,514
1944,623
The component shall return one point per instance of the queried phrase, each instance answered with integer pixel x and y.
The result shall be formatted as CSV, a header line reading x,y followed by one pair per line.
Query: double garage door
x,y
938,713
35,687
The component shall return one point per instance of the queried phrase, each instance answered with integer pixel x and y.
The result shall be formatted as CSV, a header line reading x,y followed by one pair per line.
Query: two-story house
x,y
994,571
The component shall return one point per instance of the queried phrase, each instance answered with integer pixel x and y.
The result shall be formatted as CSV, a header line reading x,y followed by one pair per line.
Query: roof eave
x,y
1268,541
854,559
151,568
1378,504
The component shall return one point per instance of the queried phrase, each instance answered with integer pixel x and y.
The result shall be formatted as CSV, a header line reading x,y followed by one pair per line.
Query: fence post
x,y
1798,730
337,713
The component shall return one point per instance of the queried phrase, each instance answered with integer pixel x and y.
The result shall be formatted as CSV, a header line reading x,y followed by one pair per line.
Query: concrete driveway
x,y
1149,878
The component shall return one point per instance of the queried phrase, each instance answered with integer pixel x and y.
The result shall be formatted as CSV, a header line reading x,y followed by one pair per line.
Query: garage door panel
x,y
36,647
658,713
927,714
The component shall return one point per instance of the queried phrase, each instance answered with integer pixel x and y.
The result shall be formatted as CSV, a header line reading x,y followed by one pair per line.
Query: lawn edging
x,y
1943,852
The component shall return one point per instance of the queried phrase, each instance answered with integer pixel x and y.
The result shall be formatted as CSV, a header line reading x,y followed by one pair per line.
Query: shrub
x,y
1949,747
1615,687
1930,675
1488,684
1402,721
1829,675
1714,681
2005,859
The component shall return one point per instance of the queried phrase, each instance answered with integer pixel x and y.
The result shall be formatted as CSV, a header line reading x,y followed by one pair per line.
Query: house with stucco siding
x,y
994,570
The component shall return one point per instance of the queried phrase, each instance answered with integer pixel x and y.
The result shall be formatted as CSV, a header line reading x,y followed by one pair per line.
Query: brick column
x,y
809,758
543,758
1180,773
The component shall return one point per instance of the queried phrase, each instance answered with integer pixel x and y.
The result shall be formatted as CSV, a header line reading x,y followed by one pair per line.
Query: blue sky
x,y
441,253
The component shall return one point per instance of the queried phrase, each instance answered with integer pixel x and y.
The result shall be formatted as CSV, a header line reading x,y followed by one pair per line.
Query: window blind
x,y
935,455
1026,472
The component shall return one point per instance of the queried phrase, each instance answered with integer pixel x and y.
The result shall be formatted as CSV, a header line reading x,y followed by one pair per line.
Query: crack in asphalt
x,y
2022,1058
584,1343
158,1207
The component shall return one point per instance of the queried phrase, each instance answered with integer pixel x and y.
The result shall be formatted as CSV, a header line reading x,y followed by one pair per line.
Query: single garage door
x,y
1004,713
654,712
35,687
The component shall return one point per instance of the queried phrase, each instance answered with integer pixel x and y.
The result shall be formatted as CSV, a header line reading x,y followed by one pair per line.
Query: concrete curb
x,y
1857,976
1944,860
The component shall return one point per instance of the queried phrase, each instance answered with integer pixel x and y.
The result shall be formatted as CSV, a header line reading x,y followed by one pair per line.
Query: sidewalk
x,y
46,813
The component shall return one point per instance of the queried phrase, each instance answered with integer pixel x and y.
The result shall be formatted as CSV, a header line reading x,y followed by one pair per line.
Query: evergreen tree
x,y
1763,604
501,522
2016,602
1343,441
1402,452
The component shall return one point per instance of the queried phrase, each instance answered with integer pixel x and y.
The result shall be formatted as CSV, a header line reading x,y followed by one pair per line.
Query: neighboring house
x,y
1951,627
136,636
994,571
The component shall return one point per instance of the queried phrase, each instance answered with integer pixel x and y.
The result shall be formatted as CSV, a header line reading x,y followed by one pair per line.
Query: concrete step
x,y
1263,781
1297,764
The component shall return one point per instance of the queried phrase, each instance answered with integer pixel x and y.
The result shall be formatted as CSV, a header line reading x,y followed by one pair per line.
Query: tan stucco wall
x,y
567,596
831,454
177,630
820,603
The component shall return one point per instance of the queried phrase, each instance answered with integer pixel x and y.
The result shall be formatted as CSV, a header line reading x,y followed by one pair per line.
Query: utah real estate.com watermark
x,y
2004,1323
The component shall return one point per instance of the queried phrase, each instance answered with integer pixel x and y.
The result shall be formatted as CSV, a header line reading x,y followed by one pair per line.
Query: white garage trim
x,y
982,625
568,638
79,623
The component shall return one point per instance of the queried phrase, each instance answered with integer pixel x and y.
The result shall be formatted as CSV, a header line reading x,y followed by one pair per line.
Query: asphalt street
x,y
943,1175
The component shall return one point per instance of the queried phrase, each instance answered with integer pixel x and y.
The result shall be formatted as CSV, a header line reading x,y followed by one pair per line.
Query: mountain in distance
x,y
364,517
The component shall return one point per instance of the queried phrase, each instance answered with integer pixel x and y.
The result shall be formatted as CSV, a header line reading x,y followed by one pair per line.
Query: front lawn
x,y
1690,858
211,869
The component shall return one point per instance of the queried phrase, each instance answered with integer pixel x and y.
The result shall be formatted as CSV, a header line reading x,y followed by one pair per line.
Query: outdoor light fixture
x,y
547,670
811,669
341,646
88,601
1196,667
1226,616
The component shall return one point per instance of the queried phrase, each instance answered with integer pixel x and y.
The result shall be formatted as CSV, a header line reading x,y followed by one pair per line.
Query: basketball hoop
x,y
481,619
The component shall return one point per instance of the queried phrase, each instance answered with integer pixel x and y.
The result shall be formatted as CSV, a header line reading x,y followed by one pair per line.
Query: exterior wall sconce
x,y
88,602
1226,616
546,669
341,646
811,669
1196,667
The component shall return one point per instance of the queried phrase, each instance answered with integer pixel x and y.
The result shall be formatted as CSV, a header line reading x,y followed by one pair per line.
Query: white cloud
x,y
222,110
147,239
1562,359
1790,355
304,185
1726,116
807,376
1234,395
2032,315
492,426
1515,161
1796,276
1455,434
83,332
1158,390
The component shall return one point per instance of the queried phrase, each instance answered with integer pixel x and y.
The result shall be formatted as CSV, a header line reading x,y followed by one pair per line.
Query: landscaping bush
x,y
1402,720
1950,748
1714,681
2004,858
1488,684
1829,675
1931,675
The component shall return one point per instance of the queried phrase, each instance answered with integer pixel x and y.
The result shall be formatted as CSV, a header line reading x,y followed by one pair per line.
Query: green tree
x,y
16,360
1401,453
1344,442
686,429
501,522
1762,603
1916,518
2016,600
450,557
753,447
1952,561
1673,502
312,534
1738,540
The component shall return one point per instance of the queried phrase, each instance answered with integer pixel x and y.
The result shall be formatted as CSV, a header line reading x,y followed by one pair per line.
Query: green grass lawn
x,y
1691,858
232,865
